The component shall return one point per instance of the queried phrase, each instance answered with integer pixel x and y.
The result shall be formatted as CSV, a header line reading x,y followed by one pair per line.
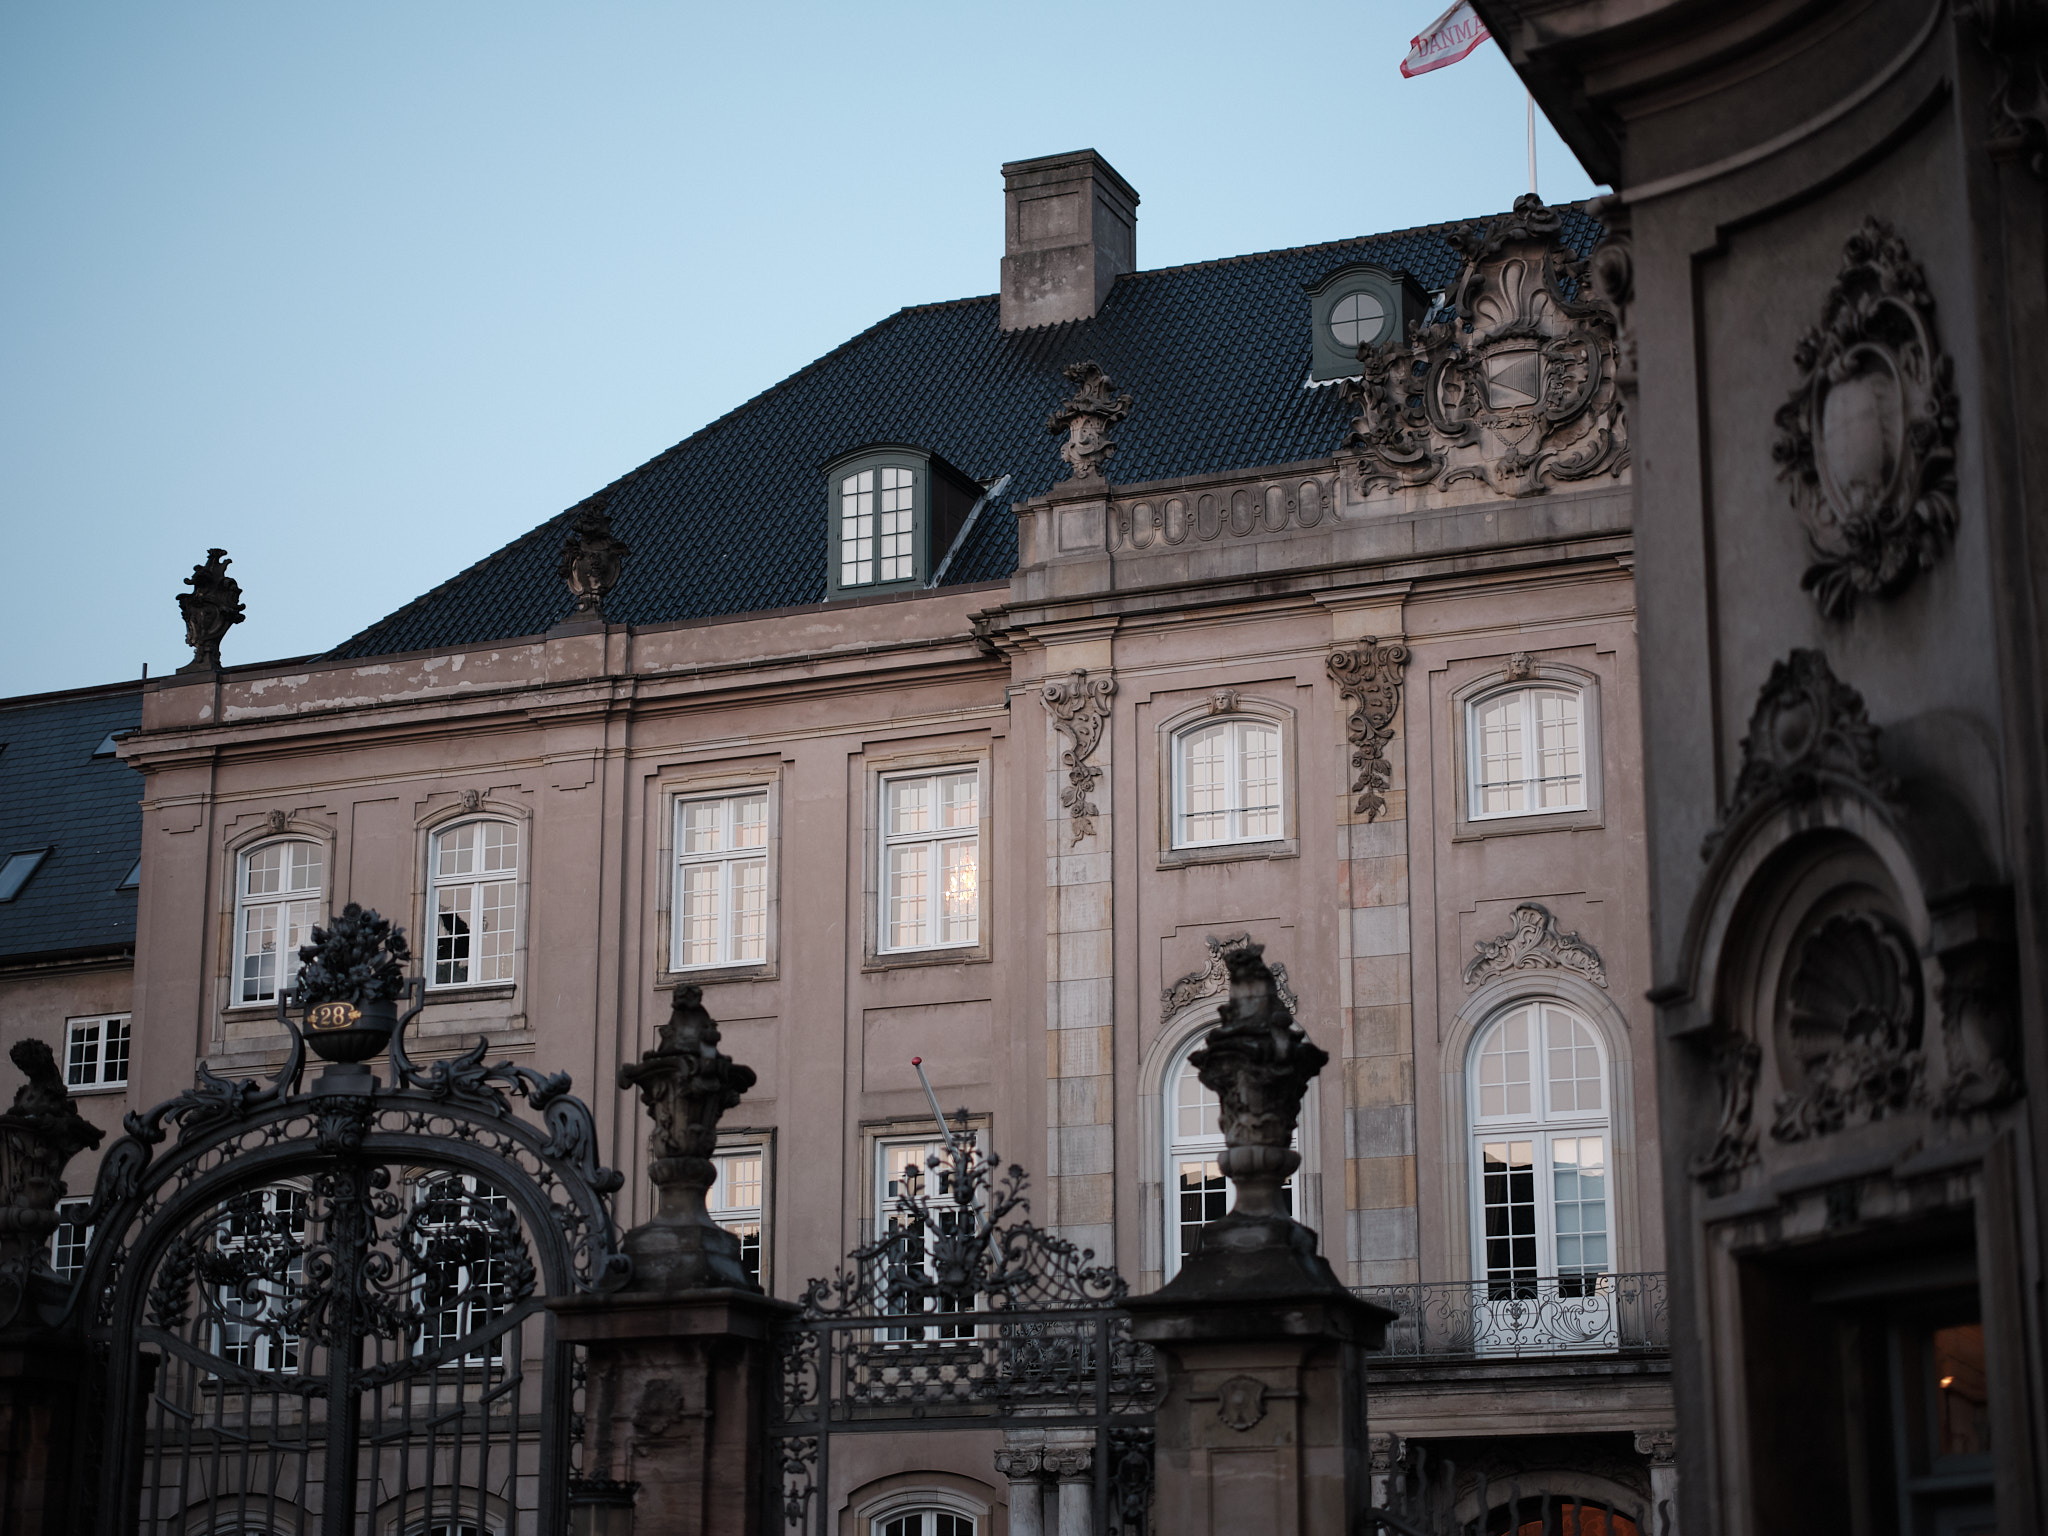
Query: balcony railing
x,y
1521,1319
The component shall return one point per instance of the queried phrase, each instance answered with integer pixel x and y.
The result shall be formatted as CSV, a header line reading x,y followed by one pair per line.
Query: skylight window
x,y
133,882
105,748
15,872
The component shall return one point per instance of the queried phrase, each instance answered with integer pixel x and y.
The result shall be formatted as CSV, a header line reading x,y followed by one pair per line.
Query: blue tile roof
x,y
1215,354
55,794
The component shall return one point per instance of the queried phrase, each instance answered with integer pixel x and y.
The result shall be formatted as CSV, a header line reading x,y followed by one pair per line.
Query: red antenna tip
x,y
917,1061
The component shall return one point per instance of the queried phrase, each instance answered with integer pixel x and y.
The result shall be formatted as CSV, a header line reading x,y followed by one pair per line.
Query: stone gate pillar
x,y
1262,1425
677,1365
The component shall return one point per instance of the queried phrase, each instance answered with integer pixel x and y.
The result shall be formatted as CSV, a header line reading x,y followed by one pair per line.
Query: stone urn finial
x,y
38,1136
211,609
592,557
686,1084
1086,417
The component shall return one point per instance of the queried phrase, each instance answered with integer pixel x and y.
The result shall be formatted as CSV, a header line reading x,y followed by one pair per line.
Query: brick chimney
x,y
1070,226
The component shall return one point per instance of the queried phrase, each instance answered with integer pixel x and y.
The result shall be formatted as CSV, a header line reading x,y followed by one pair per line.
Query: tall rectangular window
x,y
1527,751
735,1201
277,902
720,898
475,901
921,1169
931,860
877,526
1226,781
96,1052
71,1239
1508,1188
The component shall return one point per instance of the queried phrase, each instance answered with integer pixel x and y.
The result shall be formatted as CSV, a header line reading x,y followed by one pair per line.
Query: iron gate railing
x,y
962,1315
323,1308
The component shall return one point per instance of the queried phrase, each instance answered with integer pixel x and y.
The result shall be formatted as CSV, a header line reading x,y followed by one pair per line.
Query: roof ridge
x,y
57,695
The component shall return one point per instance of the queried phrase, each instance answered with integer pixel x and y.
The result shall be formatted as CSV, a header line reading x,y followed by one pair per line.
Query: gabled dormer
x,y
895,511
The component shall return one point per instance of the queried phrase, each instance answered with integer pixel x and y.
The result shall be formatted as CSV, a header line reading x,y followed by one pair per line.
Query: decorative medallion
x,y
1867,439
1534,942
1851,1021
1086,416
1214,979
1079,706
1808,729
1241,1402
1514,389
1369,675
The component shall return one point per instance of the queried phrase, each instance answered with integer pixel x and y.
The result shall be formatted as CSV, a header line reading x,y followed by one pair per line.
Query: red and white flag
x,y
1445,41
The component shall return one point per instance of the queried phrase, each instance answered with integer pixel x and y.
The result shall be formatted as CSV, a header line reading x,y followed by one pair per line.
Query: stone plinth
x,y
676,1404
42,1376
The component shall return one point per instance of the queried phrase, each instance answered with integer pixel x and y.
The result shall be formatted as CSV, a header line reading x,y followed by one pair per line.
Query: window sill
x,y
1230,853
715,975
481,992
896,960
95,1090
1515,826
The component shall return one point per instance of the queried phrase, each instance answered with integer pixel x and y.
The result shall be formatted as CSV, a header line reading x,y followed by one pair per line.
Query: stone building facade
x,y
976,751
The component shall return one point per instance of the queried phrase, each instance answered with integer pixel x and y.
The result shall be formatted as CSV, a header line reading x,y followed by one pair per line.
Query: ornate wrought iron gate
x,y
959,1317
323,1310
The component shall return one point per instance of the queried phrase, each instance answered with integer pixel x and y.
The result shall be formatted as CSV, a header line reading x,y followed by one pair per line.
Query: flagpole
x,y
1532,141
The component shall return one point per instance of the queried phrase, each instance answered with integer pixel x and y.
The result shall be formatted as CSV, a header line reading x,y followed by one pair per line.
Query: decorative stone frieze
x,y
212,608
1214,979
1867,439
1086,416
1736,1062
1369,675
592,557
1516,389
1079,707
1852,1021
1203,516
1534,942
1808,729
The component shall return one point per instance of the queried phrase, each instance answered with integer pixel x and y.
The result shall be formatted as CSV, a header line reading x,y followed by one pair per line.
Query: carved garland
x,y
1867,438
1534,942
1079,706
1369,675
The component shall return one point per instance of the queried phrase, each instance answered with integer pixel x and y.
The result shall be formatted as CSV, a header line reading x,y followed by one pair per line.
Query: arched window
x,y
278,888
925,1522
475,901
1197,1193
1540,1139
1526,752
1227,784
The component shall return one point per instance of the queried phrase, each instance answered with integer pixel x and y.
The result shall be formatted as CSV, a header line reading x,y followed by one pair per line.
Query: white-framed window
x,y
1540,1153
922,1166
877,526
264,1233
1197,1193
278,890
924,1522
931,860
459,1213
96,1051
719,903
736,1200
1227,784
474,896
71,1239
1526,752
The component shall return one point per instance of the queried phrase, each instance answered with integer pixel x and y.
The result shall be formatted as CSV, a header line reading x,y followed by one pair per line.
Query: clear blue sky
x,y
360,291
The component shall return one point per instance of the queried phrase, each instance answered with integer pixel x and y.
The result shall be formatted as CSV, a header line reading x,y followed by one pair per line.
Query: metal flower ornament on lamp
x,y
686,1084
350,979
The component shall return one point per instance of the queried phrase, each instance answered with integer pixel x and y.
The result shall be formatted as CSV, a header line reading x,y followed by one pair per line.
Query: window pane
x,y
897,514
114,1052
1500,756
1204,811
263,871
961,861
1508,1192
1574,1065
909,806
1558,750
750,910
960,800
496,913
259,953
1259,780
697,905
1578,1172
857,529
305,864
500,848
1196,1110
907,896
750,822
1204,1197
1504,1068
452,936
739,1183
457,851
702,823
82,1061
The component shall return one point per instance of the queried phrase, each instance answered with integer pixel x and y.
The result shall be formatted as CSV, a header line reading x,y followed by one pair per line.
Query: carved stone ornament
x,y
1240,1402
277,821
1979,1027
592,557
1736,1062
2015,34
472,798
1808,730
1079,706
1534,942
1867,438
1851,1020
40,1134
1521,667
686,1084
1611,280
1516,390
1086,416
211,609
1369,675
1214,979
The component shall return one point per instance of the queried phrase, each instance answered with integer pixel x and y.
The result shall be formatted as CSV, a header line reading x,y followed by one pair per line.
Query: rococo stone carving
x,y
40,1134
1214,979
1086,416
1079,706
1808,730
1241,1402
1517,389
1534,942
1979,1026
1611,280
1852,1021
2015,34
592,557
211,609
1867,438
1225,511
1736,1061
686,1084
1369,675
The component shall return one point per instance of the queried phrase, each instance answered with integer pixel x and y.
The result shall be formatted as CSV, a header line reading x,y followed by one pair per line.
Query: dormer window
x,y
1357,307
895,512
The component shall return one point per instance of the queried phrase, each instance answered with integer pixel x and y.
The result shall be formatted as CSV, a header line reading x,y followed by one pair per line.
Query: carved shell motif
x,y
1852,1027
